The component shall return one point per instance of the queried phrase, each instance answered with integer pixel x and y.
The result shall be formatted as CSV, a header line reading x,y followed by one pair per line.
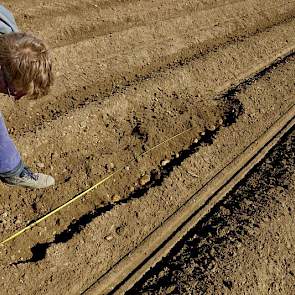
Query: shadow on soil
x,y
235,110
157,178
224,228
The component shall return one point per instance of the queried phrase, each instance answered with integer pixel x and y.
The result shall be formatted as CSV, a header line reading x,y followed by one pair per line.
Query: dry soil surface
x,y
129,75
245,245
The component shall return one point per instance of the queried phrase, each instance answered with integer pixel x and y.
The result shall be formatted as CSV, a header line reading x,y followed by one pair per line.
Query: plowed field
x,y
131,74
245,246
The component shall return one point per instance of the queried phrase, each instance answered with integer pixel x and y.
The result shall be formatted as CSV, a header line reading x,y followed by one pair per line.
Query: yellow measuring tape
x,y
20,232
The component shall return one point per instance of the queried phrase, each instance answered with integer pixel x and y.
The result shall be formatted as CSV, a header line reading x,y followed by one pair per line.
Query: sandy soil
x,y
246,245
130,74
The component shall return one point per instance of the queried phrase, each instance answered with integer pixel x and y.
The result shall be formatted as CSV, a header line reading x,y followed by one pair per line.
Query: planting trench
x,y
245,245
136,74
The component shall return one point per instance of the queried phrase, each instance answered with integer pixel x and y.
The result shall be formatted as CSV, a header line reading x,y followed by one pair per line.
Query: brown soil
x,y
131,74
246,245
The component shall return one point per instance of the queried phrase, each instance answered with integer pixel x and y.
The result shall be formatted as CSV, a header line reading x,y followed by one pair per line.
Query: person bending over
x,y
25,70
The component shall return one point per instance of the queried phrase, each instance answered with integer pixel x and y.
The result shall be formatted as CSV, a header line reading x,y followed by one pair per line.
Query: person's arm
x,y
7,21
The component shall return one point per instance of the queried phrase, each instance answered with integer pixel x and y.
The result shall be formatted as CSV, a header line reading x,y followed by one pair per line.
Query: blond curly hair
x,y
27,63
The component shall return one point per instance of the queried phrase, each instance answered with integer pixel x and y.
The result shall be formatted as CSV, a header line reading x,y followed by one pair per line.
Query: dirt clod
x,y
170,289
40,165
116,198
109,237
165,162
109,167
144,180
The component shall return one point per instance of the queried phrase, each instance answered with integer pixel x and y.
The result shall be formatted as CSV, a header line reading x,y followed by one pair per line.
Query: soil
x,y
129,75
245,245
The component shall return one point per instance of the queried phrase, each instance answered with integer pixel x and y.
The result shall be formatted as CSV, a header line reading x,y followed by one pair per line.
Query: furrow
x,y
65,25
137,218
95,69
79,148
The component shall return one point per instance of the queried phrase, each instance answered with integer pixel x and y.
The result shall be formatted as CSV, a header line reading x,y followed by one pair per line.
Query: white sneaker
x,y
29,179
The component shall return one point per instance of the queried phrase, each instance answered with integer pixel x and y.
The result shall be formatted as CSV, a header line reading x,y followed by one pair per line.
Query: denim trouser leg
x,y
10,159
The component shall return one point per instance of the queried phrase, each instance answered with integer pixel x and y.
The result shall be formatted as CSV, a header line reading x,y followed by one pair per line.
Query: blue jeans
x,y
10,159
